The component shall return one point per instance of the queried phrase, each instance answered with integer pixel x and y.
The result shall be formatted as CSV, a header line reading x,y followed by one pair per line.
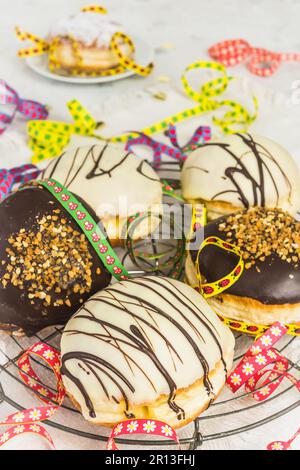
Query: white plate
x,y
143,56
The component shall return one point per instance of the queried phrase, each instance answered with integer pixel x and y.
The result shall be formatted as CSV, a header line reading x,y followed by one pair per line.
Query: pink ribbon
x,y
17,175
252,367
30,110
201,135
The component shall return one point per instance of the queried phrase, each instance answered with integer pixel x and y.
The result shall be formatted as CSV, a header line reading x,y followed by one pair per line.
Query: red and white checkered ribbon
x,y
259,61
252,367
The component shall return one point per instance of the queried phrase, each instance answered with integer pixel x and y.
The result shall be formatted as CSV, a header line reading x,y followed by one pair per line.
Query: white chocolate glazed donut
x,y
147,347
114,182
240,171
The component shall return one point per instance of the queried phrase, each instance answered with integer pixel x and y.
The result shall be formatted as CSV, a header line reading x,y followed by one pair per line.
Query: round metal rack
x,y
229,415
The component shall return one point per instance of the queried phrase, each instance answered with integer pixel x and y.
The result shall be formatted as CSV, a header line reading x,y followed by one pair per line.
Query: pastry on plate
x,y
82,44
47,266
269,287
148,347
239,171
115,183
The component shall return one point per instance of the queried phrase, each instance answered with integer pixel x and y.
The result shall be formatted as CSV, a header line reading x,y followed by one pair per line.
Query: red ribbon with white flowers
x,y
248,372
26,421
150,427
253,365
259,61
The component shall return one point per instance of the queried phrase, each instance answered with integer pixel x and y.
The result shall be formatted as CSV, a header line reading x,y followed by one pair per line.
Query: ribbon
x,y
148,427
252,367
26,421
210,289
89,227
94,9
283,445
118,39
259,61
198,223
22,174
49,138
201,135
235,118
27,108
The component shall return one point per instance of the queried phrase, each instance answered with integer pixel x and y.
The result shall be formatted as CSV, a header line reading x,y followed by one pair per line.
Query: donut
x,y
115,183
240,171
82,43
148,347
269,287
47,266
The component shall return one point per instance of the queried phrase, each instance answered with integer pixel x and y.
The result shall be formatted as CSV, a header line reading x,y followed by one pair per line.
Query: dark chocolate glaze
x,y
239,170
19,211
270,285
135,337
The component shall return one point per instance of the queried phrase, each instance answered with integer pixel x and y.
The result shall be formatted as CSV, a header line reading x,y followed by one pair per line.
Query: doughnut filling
x,y
114,182
146,347
47,266
240,171
269,288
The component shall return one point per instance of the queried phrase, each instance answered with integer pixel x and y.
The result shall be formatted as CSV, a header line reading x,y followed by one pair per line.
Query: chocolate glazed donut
x,y
47,266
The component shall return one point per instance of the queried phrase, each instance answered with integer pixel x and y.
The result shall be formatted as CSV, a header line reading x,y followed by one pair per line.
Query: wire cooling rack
x,y
229,415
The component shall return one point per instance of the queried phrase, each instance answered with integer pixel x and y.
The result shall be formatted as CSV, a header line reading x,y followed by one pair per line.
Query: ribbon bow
x,y
205,100
202,134
21,174
49,138
259,61
28,108
252,367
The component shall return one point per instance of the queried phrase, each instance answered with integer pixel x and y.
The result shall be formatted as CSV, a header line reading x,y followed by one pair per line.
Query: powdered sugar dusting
x,y
88,28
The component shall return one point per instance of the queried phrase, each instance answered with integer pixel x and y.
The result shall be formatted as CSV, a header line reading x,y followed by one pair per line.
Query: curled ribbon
x,y
150,427
28,108
210,289
26,421
49,138
18,175
236,114
118,39
283,445
201,135
259,61
252,367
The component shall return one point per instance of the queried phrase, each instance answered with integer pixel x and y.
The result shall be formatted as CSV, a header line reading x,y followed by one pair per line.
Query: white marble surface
x,y
190,27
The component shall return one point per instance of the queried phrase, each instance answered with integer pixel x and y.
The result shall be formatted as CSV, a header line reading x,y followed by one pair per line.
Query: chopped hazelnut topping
x,y
45,263
260,232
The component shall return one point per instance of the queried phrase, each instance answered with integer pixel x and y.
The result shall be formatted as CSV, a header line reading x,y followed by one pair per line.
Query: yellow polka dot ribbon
x,y
235,119
48,138
210,289
117,43
217,287
94,9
